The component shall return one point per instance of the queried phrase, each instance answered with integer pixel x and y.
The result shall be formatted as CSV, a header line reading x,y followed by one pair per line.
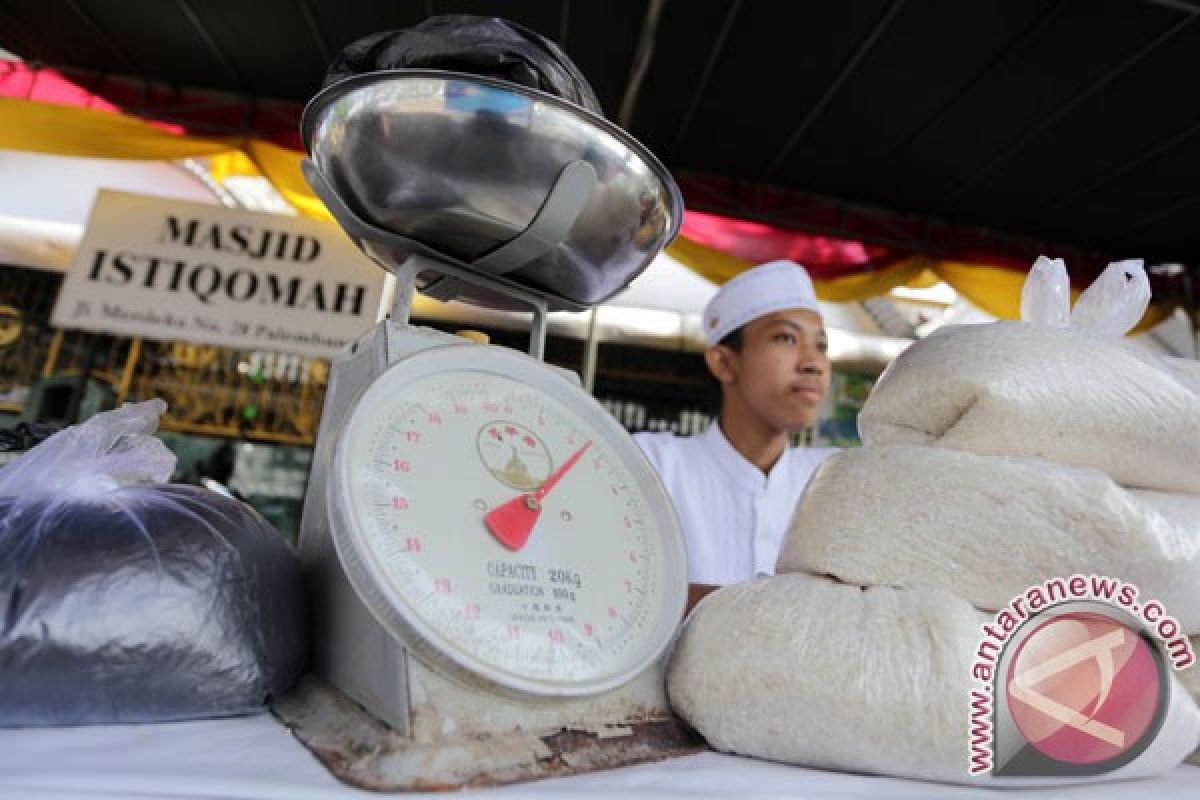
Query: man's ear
x,y
722,363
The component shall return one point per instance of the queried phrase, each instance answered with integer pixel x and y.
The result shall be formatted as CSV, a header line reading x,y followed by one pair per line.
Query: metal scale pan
x,y
494,567
515,183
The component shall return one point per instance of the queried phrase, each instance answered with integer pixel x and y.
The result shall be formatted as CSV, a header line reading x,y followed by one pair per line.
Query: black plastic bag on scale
x,y
489,46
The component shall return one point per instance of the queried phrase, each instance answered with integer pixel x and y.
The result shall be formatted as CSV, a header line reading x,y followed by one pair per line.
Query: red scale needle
x,y
512,523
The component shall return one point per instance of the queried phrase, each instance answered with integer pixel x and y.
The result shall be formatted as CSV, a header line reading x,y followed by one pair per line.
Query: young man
x,y
735,485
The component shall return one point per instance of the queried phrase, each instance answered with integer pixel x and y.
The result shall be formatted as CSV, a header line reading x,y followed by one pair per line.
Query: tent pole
x,y
590,352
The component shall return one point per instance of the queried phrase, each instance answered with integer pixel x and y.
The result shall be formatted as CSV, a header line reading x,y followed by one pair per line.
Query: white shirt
x,y
734,517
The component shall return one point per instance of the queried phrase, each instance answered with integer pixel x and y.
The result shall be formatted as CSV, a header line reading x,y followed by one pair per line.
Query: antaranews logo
x,y
1072,679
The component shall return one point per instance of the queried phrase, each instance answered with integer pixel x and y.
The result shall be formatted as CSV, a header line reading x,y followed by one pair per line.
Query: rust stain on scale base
x,y
365,753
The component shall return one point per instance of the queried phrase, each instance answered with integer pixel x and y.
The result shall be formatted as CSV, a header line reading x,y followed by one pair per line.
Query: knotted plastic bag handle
x,y
1115,301
1046,296
1108,309
112,449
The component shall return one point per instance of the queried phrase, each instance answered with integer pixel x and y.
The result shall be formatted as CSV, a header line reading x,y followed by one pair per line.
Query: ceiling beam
x,y
1186,6
642,56
564,23
99,33
314,30
714,54
983,72
1066,108
831,91
1162,213
1069,197
211,43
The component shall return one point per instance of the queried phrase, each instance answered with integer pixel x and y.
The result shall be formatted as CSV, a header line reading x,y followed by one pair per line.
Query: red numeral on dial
x,y
400,465
471,611
412,437
400,503
442,585
412,544
556,636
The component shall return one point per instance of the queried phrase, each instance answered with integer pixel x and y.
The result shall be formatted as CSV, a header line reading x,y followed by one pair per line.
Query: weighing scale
x,y
495,569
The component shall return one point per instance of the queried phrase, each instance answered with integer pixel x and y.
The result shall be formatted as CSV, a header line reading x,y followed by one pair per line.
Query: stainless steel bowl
x,y
463,164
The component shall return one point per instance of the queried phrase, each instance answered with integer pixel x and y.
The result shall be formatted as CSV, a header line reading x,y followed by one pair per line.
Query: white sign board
x,y
172,270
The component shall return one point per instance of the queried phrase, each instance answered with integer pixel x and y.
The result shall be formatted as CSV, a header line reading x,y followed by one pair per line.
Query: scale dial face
x,y
500,523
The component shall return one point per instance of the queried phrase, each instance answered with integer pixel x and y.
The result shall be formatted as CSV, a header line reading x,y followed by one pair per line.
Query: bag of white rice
x,y
987,527
1073,395
803,670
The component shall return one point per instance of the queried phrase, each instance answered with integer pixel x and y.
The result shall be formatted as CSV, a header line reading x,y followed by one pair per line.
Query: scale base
x,y
365,753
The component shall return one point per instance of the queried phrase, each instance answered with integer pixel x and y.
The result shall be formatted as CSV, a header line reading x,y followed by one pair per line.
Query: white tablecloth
x,y
256,757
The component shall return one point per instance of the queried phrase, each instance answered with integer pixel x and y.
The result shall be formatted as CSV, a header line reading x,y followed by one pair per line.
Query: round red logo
x,y
1083,688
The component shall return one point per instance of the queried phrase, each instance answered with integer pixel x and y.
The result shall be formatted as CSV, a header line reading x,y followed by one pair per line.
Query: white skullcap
x,y
770,287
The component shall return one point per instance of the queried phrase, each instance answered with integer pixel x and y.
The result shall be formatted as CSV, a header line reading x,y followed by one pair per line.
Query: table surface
x,y
256,757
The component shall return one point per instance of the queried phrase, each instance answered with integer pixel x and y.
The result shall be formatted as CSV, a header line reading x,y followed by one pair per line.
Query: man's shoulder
x,y
811,456
661,447
663,441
